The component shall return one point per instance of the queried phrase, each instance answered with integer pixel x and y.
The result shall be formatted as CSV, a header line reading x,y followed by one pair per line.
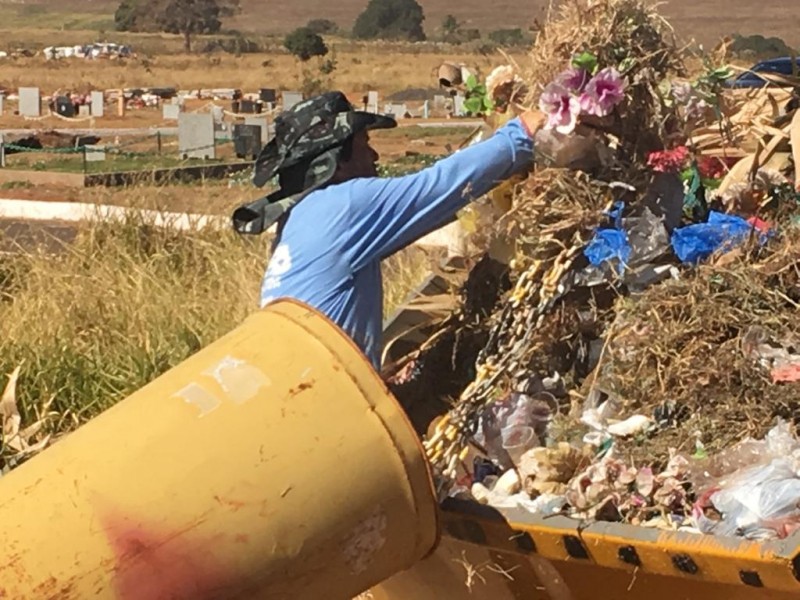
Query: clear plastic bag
x,y
754,486
506,422
779,442
758,503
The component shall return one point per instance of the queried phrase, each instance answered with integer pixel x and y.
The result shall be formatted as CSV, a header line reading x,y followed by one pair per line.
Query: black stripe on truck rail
x,y
767,565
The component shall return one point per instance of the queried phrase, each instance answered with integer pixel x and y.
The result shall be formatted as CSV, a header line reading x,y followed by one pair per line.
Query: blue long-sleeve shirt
x,y
330,250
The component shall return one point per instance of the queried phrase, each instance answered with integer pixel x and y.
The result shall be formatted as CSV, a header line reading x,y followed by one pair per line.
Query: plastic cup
x,y
517,440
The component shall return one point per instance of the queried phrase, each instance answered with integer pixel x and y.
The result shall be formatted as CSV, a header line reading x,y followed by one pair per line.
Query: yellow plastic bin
x,y
272,464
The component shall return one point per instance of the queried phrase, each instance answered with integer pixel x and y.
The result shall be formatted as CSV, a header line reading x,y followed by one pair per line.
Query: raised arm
x,y
387,214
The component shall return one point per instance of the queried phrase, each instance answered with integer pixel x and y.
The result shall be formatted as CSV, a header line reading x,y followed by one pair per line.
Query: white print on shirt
x,y
279,265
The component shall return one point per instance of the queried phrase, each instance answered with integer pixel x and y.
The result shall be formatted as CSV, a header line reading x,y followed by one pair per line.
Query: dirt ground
x,y
401,144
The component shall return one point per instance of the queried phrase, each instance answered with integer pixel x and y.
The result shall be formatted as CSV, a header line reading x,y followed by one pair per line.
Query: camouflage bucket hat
x,y
303,154
311,128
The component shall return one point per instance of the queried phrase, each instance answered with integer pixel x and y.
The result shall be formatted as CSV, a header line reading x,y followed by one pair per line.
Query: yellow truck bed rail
x,y
514,554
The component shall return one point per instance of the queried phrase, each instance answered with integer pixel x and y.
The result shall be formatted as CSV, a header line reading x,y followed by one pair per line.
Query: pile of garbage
x,y
627,349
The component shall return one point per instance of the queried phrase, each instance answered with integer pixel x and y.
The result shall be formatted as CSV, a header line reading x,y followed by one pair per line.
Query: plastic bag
x,y
754,486
608,245
697,242
715,471
514,414
758,503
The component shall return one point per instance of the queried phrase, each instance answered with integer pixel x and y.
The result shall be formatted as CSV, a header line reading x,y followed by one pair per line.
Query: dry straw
x,y
675,350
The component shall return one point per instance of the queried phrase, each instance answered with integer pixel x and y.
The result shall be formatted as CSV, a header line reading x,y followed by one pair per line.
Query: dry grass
x,y
124,303
705,21
359,69
402,273
686,342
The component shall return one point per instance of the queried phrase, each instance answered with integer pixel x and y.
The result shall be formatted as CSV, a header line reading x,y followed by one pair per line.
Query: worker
x,y
337,220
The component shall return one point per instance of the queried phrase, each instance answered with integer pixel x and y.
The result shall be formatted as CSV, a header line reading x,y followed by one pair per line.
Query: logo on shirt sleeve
x,y
279,265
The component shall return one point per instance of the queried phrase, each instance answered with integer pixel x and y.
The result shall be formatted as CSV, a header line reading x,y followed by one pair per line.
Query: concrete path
x,y
17,215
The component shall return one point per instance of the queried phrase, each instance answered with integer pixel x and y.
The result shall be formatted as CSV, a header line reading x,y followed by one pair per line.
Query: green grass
x,y
73,163
120,306
455,135
16,185
407,164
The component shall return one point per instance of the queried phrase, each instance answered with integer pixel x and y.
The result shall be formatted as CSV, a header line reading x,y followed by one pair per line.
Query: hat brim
x,y
361,120
269,160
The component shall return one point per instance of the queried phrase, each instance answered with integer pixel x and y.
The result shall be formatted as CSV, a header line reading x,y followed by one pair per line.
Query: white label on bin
x,y
198,396
364,541
240,380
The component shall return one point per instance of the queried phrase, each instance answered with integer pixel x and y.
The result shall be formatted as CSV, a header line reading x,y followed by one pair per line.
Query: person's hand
x,y
533,120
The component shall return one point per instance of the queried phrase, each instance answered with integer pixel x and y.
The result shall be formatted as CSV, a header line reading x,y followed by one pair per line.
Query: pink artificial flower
x,y
603,92
574,79
561,107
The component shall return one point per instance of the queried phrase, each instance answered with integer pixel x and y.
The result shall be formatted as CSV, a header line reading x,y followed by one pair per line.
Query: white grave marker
x,y
95,153
98,104
289,99
372,102
30,102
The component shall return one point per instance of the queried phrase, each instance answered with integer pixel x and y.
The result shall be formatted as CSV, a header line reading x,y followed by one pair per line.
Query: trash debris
x,y
721,232
659,281
549,470
759,501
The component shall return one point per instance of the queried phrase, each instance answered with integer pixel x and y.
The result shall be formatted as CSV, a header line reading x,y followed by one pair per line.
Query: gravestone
x,y
247,140
289,99
171,111
261,122
398,111
64,106
2,103
458,105
249,107
95,153
425,110
98,104
84,110
218,113
372,102
267,95
196,135
30,102
439,101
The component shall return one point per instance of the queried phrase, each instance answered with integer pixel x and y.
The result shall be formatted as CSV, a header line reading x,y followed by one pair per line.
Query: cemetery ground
x,y
359,67
403,149
395,70
126,300
94,314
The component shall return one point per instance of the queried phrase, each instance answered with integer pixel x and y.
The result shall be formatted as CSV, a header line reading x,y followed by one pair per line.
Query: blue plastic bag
x,y
607,245
697,242
610,243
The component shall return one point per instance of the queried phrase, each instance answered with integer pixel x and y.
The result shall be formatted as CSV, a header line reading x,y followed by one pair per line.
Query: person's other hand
x,y
533,120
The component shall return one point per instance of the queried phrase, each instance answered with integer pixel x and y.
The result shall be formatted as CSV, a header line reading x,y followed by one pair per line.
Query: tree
x,y
322,26
304,44
760,46
509,37
127,15
392,20
450,26
187,17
